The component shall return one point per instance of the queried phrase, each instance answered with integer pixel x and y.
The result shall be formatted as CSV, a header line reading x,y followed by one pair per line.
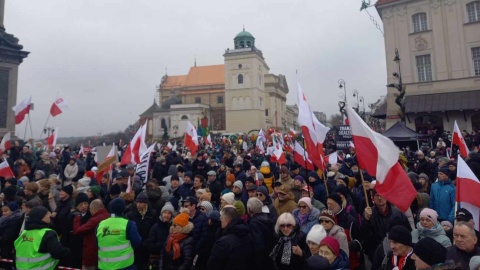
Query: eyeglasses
x,y
324,221
302,206
286,226
260,195
186,205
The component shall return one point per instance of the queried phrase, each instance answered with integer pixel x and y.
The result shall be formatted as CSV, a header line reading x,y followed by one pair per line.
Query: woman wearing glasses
x,y
268,208
306,215
290,250
328,221
178,252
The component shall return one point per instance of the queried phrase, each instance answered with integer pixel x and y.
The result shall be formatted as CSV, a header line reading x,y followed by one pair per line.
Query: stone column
x,y
2,12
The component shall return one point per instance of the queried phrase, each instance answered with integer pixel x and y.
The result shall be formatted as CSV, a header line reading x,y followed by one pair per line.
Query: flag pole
x,y
363,185
30,123
26,125
48,117
306,167
325,181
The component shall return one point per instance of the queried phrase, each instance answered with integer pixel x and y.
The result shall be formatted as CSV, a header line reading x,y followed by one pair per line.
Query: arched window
x,y
242,44
249,44
163,123
419,21
240,79
184,117
473,11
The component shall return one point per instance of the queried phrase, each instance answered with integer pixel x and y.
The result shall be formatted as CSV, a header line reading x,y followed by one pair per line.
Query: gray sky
x,y
105,57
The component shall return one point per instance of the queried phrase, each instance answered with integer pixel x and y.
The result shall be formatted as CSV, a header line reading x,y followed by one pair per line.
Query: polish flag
x,y
260,140
292,133
468,188
169,146
81,151
106,165
378,155
129,185
136,147
300,156
58,107
209,141
174,148
5,144
191,138
458,140
22,109
308,128
5,170
52,139
331,159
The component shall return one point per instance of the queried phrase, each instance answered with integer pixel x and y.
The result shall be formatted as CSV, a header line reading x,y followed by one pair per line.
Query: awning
x,y
453,101
381,111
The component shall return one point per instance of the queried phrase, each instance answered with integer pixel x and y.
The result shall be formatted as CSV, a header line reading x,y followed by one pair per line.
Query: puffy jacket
x,y
461,257
442,199
437,233
158,236
186,255
200,230
338,233
268,178
341,262
233,250
156,199
311,219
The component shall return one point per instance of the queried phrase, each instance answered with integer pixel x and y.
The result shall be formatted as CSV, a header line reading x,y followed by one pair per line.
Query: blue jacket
x,y
341,262
442,199
311,219
200,230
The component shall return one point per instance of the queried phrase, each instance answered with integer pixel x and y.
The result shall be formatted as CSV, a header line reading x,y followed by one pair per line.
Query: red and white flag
x,y
260,140
209,141
458,140
5,143
136,147
468,189
81,151
58,107
191,138
331,159
52,139
378,155
308,128
169,146
5,170
300,156
129,185
107,164
22,109
174,148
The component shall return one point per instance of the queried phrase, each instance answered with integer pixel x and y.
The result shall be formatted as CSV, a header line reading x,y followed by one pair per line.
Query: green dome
x,y
244,34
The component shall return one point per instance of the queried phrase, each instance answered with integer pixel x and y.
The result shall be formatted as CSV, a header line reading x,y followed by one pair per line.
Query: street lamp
x,y
342,85
356,94
362,100
399,97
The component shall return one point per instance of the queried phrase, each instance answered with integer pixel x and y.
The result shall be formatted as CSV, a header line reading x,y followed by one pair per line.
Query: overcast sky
x,y
106,57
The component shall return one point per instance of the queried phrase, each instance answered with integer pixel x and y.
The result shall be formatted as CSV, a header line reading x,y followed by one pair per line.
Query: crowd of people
x,y
229,208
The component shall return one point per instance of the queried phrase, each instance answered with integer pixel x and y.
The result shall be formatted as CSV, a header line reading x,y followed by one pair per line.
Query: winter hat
x,y
317,262
117,206
328,215
444,170
474,262
12,181
10,191
84,182
330,174
13,206
316,234
250,179
36,214
413,177
299,177
68,189
115,189
332,244
424,176
90,174
214,215
401,235
265,164
284,189
252,187
260,176
463,215
263,190
430,251
307,201
189,174
208,206
231,178
229,197
81,198
41,173
336,198
95,190
181,219
342,190
240,207
284,169
430,214
447,223
167,207
238,184
174,177
24,179
142,198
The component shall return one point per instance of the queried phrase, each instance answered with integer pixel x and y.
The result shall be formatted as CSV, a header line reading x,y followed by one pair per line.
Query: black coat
x,y
461,257
263,234
157,237
299,238
409,264
215,188
9,234
200,230
186,259
233,250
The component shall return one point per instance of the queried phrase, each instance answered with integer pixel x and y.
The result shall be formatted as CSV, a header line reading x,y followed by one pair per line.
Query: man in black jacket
x,y
199,220
215,187
464,247
233,250
262,232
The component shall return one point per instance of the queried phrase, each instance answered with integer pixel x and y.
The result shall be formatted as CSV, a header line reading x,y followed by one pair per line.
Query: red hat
x,y
90,174
332,244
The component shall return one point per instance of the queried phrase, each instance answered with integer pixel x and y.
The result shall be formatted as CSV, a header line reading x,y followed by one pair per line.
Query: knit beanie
x,y
10,191
317,262
444,170
95,190
263,190
81,198
447,223
231,178
342,190
13,206
332,244
167,207
238,184
90,174
229,197
300,178
142,198
214,215
307,201
328,215
115,189
208,206
265,164
424,176
117,206
474,262
316,234
68,189
401,235
430,214
240,207
12,181
336,198
37,213
181,219
430,251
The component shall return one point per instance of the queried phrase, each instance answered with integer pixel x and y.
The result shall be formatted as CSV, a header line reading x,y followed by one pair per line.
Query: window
x,y
249,44
473,11
240,79
419,22
266,112
184,117
198,100
220,99
261,101
476,60
424,68
242,44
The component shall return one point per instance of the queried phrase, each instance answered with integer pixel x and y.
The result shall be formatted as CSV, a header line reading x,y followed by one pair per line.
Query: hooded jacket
x,y
341,262
437,233
268,178
311,219
338,233
158,236
442,199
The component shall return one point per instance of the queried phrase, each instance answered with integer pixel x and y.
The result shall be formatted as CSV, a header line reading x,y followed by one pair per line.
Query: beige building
x,y
439,46
237,96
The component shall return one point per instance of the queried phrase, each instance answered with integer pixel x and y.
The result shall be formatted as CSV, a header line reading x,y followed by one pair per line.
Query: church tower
x,y
245,70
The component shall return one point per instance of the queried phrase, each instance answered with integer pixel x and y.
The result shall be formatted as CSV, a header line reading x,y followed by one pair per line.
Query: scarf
x,y
286,243
174,241
302,218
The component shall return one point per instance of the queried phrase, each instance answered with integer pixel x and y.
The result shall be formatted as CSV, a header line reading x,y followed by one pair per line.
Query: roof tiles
x,y
201,75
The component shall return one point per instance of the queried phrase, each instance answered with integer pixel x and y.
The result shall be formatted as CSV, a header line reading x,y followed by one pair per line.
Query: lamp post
x,y
362,100
342,85
356,94
399,97
175,130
